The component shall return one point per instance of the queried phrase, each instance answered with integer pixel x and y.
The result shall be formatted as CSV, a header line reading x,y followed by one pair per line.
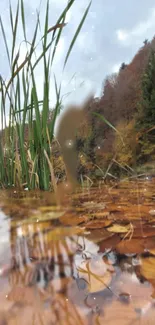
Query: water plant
x,y
25,146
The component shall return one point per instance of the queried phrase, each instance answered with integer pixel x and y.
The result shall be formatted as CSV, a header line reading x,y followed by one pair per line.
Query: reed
x,y
25,146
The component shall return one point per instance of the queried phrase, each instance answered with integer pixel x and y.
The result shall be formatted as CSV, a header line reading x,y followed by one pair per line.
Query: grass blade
x,y
76,34
5,42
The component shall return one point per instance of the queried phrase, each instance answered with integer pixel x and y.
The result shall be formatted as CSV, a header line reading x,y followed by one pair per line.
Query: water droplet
x,y
69,143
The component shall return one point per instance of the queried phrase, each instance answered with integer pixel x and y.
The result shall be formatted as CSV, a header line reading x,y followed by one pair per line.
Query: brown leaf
x,y
149,243
132,246
109,243
98,224
73,220
147,268
99,215
144,231
98,234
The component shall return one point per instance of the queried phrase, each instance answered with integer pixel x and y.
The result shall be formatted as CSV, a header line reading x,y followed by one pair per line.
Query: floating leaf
x,y
99,215
119,228
147,268
97,273
144,231
93,205
98,235
72,220
132,246
98,224
109,243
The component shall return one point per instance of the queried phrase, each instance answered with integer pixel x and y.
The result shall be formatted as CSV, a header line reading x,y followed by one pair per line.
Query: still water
x,y
90,260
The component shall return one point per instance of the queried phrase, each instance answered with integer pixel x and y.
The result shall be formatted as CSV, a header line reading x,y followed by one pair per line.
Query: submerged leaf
x,y
97,273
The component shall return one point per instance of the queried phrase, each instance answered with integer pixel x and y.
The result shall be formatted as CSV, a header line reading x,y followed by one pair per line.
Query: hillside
x,y
122,104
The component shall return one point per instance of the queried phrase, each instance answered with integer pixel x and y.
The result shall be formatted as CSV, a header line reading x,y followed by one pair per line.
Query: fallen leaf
x,y
144,231
97,274
99,215
109,243
147,268
93,205
119,228
73,220
149,243
132,246
97,224
98,235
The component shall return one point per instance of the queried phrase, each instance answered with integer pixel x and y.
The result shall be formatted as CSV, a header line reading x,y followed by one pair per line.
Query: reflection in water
x,y
4,240
66,136
52,273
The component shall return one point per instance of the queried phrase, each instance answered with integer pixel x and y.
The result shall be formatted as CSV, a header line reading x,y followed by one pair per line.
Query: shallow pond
x,y
89,261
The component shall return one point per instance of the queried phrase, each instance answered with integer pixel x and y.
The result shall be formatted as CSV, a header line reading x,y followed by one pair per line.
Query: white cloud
x,y
139,32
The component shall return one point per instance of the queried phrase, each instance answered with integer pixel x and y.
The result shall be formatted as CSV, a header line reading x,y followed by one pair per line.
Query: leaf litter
x,y
94,255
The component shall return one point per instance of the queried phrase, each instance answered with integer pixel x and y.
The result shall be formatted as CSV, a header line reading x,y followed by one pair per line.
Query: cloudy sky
x,y
113,32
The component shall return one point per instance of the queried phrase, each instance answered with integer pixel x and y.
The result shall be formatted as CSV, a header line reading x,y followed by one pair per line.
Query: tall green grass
x,y
27,161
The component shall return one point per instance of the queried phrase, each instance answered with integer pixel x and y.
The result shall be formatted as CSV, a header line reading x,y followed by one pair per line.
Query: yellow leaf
x,y
97,274
119,228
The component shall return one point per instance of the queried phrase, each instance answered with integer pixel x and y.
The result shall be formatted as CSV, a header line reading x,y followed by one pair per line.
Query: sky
x,y
113,32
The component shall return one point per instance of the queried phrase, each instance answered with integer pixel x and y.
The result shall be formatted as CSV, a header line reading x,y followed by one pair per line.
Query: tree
x,y
147,105
145,42
145,121
123,66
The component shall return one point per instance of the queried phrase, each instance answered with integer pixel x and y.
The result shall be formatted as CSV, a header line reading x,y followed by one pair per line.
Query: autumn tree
x,y
145,121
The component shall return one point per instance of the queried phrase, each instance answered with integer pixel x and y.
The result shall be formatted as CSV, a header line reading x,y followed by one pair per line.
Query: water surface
x,y
88,261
